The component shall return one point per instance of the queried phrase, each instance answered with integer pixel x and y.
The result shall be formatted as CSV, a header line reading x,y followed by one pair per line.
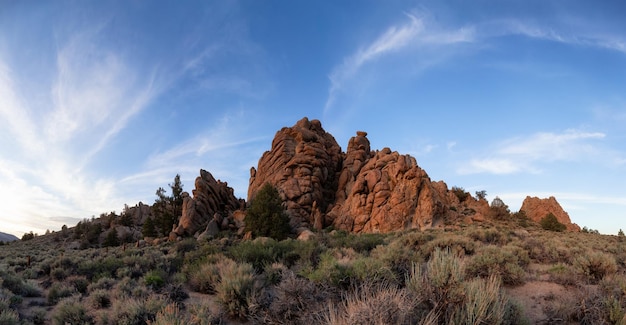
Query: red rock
x,y
537,209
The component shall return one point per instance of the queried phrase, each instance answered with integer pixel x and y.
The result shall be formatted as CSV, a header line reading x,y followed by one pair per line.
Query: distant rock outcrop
x,y
210,198
537,209
4,237
303,164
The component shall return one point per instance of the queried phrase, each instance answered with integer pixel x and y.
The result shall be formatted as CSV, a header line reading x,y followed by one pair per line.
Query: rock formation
x,y
359,191
537,209
303,164
211,198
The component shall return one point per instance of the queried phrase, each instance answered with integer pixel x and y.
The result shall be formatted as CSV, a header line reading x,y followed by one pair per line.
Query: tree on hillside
x,y
550,222
148,228
266,215
481,195
167,209
498,209
112,238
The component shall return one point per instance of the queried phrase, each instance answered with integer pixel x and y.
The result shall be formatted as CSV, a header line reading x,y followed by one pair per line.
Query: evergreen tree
x,y
148,228
266,215
550,222
620,233
112,238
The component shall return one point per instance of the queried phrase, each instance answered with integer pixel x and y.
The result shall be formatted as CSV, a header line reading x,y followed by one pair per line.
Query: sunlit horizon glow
x,y
101,103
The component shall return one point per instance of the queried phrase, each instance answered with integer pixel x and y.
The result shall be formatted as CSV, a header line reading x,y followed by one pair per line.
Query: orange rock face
x,y
210,197
357,191
303,164
537,209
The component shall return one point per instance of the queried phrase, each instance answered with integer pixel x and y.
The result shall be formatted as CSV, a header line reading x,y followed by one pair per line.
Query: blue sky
x,y
103,102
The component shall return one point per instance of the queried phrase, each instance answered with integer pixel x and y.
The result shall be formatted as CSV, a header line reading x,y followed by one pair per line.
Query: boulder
x,y
303,164
537,209
210,197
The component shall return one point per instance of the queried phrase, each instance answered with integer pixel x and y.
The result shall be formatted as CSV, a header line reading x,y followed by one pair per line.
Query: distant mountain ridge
x,y
7,237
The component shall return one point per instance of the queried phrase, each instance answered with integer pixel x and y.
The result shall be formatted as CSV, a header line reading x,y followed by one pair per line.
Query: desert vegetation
x,y
470,274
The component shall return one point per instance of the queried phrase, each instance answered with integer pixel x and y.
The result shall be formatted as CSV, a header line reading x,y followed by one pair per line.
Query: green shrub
x,y
362,243
549,222
154,279
70,311
484,304
506,262
332,270
266,216
235,288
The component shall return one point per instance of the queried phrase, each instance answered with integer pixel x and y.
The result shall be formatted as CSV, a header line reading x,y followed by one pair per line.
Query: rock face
x,y
359,191
210,197
303,164
536,209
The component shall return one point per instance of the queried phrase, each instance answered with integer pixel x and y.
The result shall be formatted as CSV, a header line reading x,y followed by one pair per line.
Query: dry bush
x,y
484,304
373,304
488,236
563,274
595,265
235,288
136,311
71,312
547,250
100,299
204,277
507,262
57,291
457,244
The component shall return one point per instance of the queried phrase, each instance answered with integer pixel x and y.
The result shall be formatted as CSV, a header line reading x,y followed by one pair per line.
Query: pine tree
x,y
112,239
148,228
266,215
550,222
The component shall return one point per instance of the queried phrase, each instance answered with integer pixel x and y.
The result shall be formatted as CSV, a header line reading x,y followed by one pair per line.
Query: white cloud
x,y
526,154
398,37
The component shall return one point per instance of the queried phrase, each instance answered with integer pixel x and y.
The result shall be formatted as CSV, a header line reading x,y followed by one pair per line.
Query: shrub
x,y
58,274
549,222
79,283
170,315
266,215
460,193
205,277
235,288
595,265
373,304
295,300
484,304
71,312
9,317
58,291
154,279
136,311
506,262
100,299
457,244
362,243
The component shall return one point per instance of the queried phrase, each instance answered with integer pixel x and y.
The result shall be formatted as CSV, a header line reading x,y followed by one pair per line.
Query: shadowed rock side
x,y
303,165
537,209
210,198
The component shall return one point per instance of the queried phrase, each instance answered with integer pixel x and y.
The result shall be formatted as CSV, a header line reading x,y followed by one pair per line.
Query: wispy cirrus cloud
x,y
526,154
416,32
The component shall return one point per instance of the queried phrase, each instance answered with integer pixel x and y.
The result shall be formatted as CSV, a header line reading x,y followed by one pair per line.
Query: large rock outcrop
x,y
537,209
358,191
303,165
384,191
210,198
